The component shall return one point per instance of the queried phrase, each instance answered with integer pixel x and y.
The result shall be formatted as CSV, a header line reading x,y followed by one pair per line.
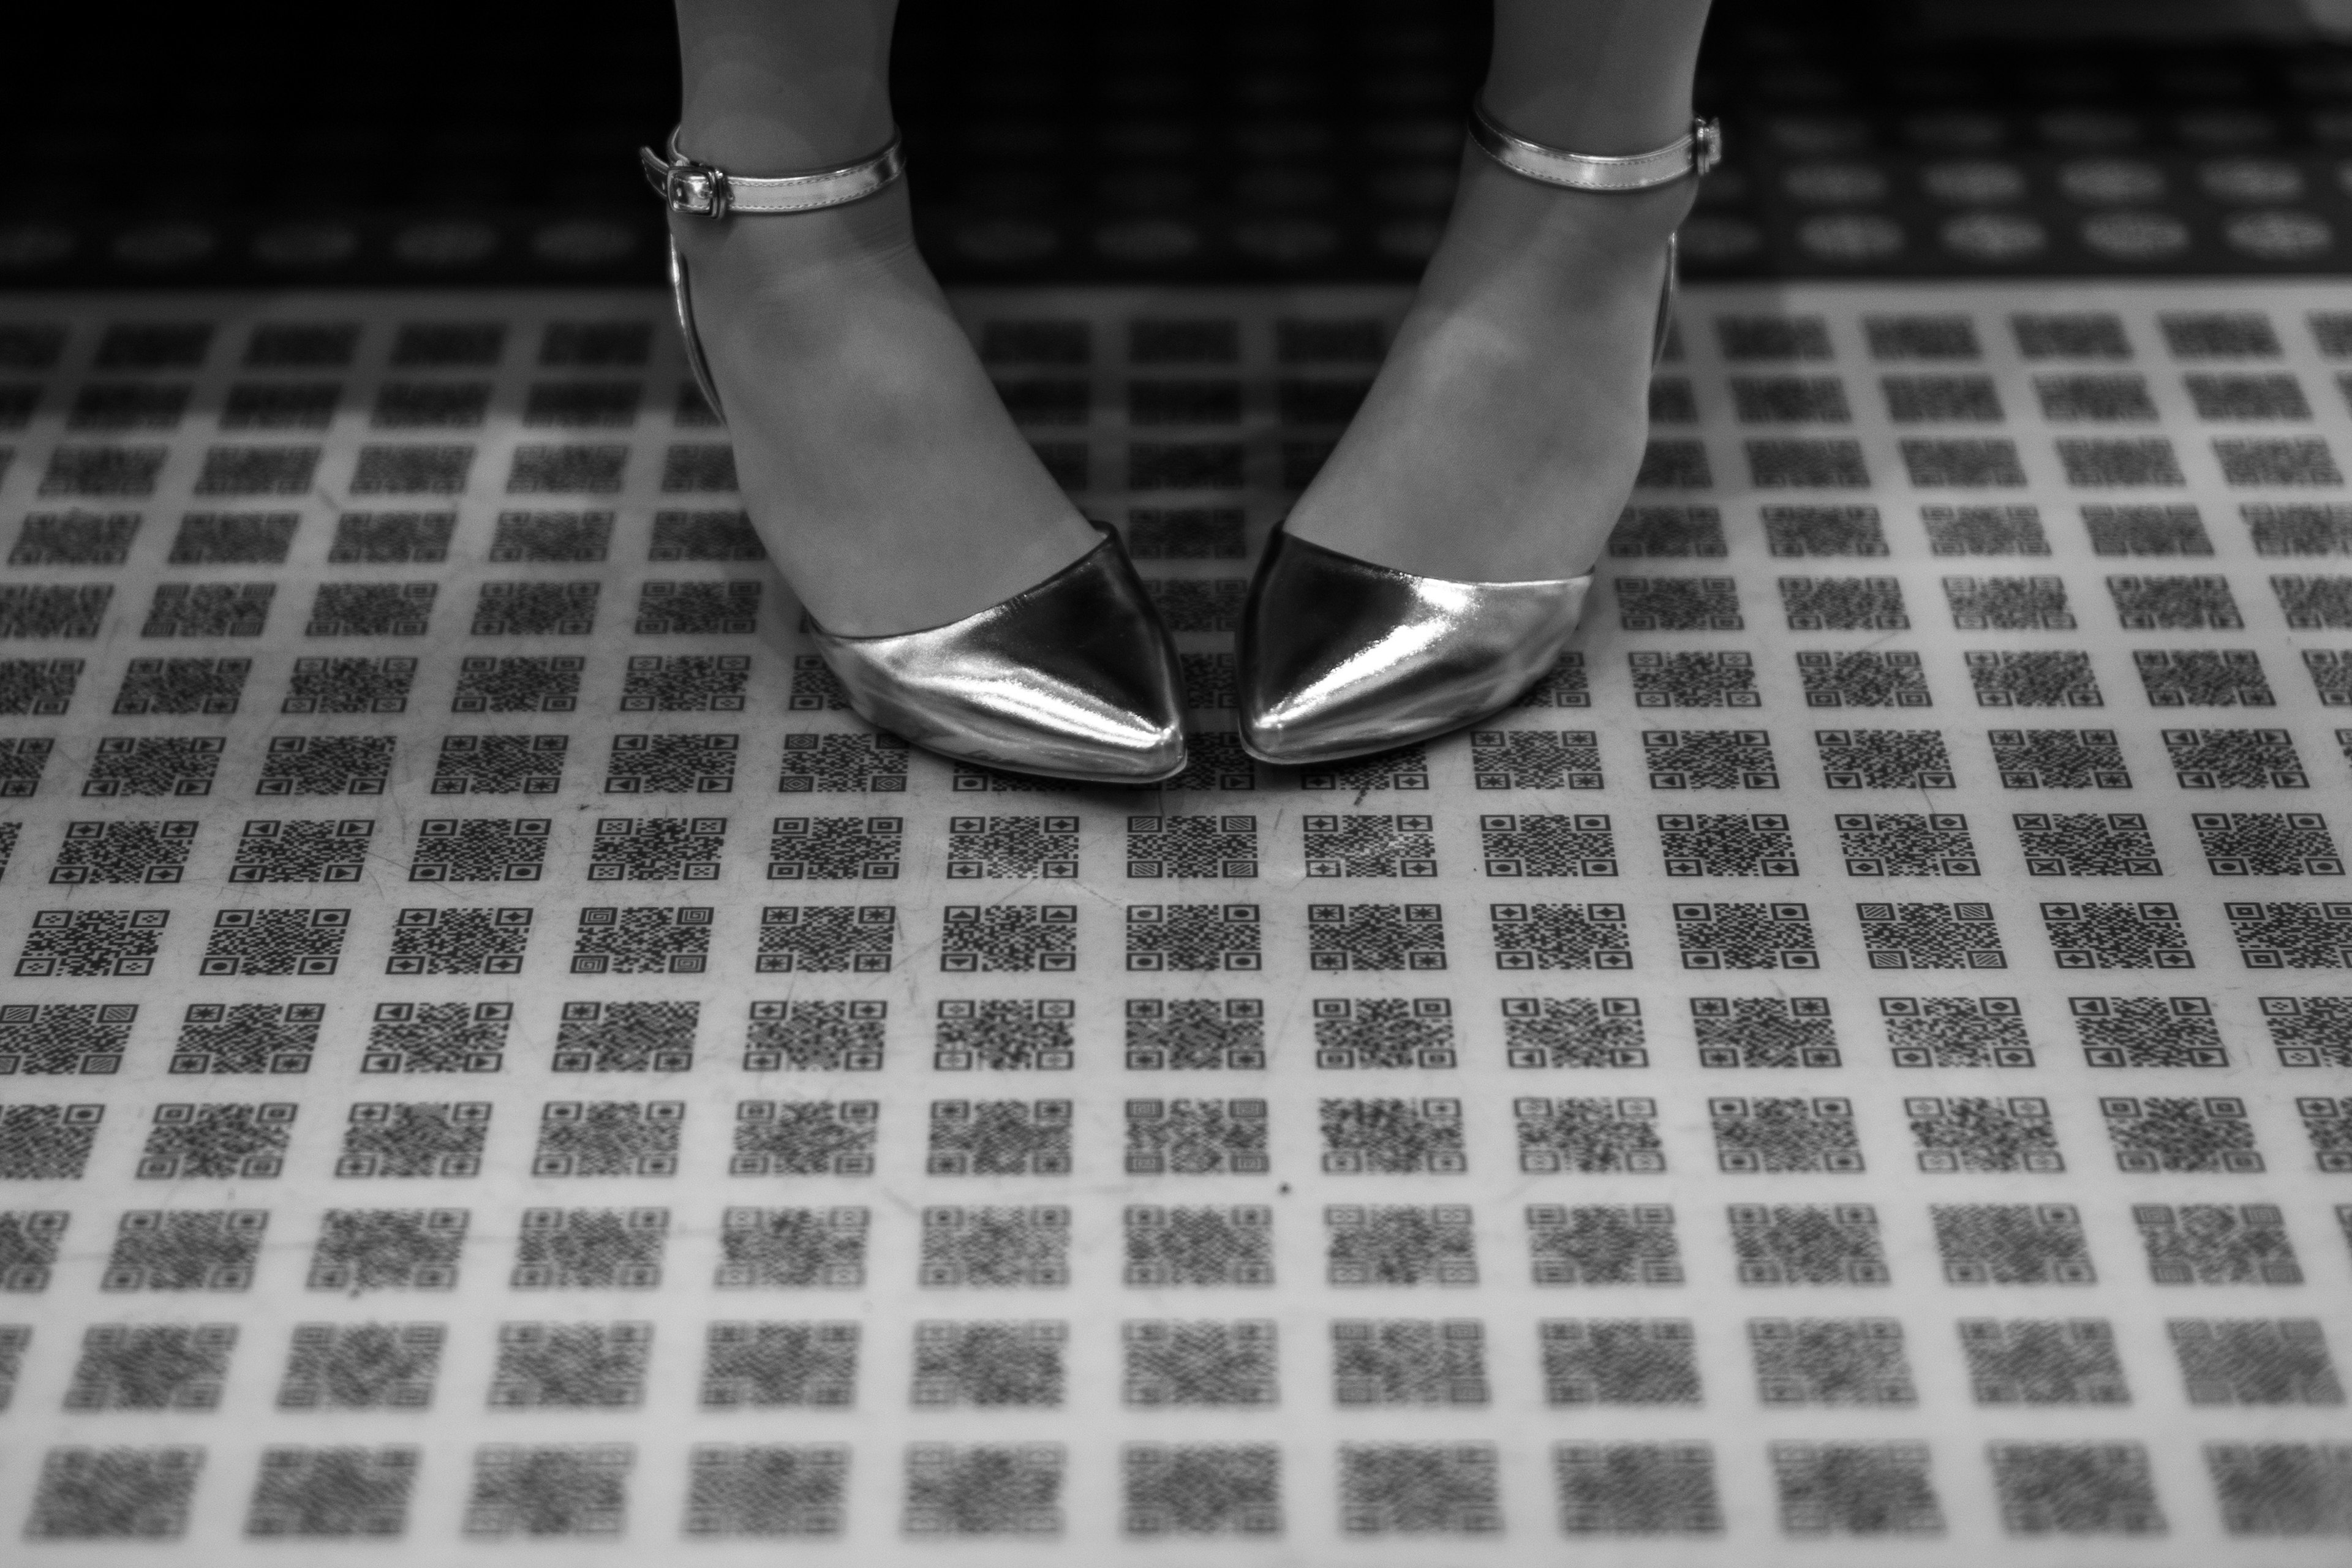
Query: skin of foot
x,y
1501,437
874,456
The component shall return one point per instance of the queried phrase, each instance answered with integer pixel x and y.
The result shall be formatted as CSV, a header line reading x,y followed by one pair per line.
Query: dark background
x,y
434,142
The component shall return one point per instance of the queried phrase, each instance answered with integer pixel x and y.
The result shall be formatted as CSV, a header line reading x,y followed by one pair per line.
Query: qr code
x,y
536,609
1375,936
2267,844
114,1494
1981,1134
378,538
2235,758
533,685
1392,1136
1727,845
625,1036
327,850
1383,1032
93,944
1191,1489
1907,844
642,940
2076,1488
1370,846
686,683
815,1036
770,1366
150,765
1604,1244
1636,1489
698,609
499,765
44,686
1855,1489
1177,847
1567,684
1831,1361
1211,682
2011,1243
1808,1244
1589,1136
1826,531
1764,1032
590,1249
2116,936
1535,759
835,849
1745,936
458,942
1692,680
1217,763
2282,1488
1543,845
332,1493
1892,680
995,1247
1955,1032
1709,759
1400,1245
2042,678
361,1366
703,535
185,1249
1678,603
1013,847
151,1366
988,1365
216,1142
1843,604
984,1490
563,536
217,610
47,1143
2046,1361
805,1138
2148,1032
672,765
549,1492
2203,678
114,853
44,612
1931,936
22,762
1622,1361
1196,1137
28,1251
2087,843
2154,603
384,1139
2328,1124
2308,604
826,939
1193,937
2059,759
2009,604
1195,1034
2331,676
369,610
326,765
570,1366
437,1036
350,685
1573,1032
1397,1489
1199,1245
1009,938
162,686
480,849
999,1138
1199,1363
2254,1362
1765,1135
2310,1031
657,848
61,1037
608,1138
2286,935
1408,1361
842,765
1667,532
2179,1134
793,1249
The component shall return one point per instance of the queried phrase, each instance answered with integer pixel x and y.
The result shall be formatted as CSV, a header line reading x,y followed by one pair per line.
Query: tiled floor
x,y
608,1094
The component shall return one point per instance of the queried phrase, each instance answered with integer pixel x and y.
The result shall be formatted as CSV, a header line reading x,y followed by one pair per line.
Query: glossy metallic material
x,y
686,185
1693,154
1340,657
1074,679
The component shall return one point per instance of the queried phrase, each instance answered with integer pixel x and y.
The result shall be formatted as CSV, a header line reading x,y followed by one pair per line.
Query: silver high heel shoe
x,y
1073,677
1339,656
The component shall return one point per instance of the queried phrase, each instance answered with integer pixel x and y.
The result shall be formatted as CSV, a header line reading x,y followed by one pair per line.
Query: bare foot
x,y
876,459
1502,435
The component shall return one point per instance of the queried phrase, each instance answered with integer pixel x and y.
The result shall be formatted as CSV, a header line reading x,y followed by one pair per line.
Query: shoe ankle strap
x,y
688,186
1688,156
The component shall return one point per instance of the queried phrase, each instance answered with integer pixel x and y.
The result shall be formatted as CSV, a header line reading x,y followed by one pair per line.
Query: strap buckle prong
x,y
687,186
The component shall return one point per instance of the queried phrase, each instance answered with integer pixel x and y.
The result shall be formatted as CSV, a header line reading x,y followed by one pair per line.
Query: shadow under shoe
x,y
1075,677
1342,657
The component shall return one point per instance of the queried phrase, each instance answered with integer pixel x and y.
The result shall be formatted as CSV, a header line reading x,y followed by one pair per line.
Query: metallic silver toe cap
x,y
1340,657
1073,678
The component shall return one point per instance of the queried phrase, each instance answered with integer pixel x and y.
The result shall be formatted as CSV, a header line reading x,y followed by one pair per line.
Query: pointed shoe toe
x,y
1339,658
1073,678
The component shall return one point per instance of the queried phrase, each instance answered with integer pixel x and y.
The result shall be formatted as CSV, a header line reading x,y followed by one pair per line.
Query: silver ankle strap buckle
x,y
688,186
1686,157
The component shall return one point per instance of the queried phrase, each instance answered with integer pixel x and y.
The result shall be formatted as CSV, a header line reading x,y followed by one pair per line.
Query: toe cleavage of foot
x,y
1072,677
1340,657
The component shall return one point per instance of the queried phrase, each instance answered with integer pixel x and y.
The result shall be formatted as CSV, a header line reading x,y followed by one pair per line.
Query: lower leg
x,y
875,460
1502,437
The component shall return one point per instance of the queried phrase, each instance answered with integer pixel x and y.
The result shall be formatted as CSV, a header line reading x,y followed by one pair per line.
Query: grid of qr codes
x,y
494,1058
